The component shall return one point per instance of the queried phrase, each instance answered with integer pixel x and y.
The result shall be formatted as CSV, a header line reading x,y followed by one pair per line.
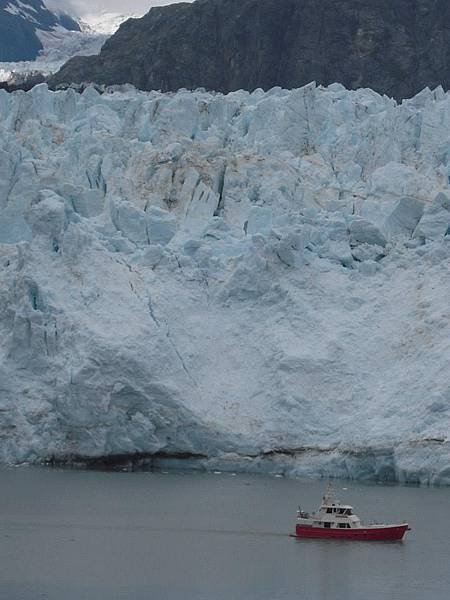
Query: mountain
x,y
260,281
58,45
22,23
397,48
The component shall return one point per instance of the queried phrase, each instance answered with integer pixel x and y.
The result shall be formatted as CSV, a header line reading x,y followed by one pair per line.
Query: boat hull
x,y
387,533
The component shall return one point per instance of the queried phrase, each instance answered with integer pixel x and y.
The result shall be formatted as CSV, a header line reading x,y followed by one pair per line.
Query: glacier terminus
x,y
254,281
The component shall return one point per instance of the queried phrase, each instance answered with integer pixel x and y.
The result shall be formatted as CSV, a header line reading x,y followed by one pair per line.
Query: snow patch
x,y
105,23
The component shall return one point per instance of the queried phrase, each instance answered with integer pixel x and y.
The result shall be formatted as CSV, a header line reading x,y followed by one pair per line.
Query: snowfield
x,y
259,280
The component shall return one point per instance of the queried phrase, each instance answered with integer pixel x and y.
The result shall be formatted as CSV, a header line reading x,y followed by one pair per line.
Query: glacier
x,y
254,281
60,44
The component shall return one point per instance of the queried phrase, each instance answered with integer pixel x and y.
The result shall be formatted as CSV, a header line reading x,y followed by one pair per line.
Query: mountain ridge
x,y
225,45
20,22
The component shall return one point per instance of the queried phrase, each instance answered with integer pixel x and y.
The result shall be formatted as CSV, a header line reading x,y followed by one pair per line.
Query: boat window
x,y
329,510
327,525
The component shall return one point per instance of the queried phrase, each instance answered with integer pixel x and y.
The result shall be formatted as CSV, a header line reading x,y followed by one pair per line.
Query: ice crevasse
x,y
257,280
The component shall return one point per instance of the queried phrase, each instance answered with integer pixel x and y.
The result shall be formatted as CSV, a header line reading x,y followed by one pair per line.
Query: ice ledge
x,y
424,462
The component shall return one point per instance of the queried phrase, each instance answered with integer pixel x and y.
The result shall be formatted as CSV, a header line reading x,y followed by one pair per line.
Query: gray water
x,y
74,535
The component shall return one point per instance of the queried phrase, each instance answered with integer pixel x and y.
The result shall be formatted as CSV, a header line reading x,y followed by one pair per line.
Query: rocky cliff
x,y
397,48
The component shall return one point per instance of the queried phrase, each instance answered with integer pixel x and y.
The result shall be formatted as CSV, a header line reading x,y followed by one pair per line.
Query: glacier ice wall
x,y
260,280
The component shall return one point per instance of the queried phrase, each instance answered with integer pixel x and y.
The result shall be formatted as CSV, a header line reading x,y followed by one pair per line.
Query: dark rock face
x,y
19,21
396,47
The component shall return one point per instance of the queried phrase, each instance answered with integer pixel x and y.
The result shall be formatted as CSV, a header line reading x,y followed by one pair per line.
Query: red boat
x,y
334,520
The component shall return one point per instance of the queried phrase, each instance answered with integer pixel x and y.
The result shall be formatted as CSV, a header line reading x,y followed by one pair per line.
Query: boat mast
x,y
329,494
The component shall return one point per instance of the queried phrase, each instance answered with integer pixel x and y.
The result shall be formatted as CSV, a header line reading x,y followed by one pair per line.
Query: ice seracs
x,y
259,280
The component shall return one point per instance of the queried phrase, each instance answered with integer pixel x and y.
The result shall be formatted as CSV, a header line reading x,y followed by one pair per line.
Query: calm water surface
x,y
72,535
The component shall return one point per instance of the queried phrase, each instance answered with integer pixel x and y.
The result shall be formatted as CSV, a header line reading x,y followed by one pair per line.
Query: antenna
x,y
329,493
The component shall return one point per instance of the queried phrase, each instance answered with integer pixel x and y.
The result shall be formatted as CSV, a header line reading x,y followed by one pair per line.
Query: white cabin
x,y
331,514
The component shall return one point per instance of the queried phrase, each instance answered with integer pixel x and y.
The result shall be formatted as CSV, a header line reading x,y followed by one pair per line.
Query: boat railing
x,y
302,514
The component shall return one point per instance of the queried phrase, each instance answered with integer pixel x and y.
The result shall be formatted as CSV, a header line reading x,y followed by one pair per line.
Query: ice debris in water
x,y
259,281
